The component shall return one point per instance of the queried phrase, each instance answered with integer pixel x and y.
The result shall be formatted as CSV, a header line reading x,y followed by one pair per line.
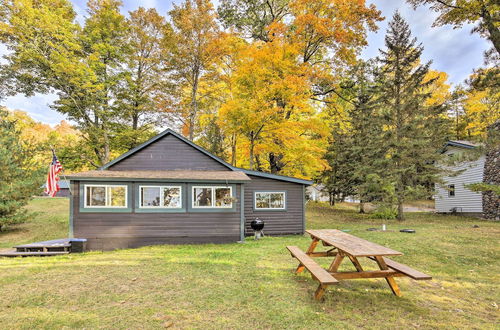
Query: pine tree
x,y
355,156
19,180
413,131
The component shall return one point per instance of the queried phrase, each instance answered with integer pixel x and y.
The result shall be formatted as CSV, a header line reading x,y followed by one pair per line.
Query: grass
x,y
251,285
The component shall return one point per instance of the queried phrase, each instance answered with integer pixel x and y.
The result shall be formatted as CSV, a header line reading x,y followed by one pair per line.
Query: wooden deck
x,y
46,248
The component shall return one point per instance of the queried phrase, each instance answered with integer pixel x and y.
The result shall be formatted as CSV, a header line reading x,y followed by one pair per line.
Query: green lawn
x,y
252,285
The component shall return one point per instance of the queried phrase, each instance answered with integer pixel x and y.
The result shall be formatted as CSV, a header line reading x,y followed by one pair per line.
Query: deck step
x,y
32,254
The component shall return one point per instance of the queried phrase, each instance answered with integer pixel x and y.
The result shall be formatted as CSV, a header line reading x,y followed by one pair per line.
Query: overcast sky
x,y
456,52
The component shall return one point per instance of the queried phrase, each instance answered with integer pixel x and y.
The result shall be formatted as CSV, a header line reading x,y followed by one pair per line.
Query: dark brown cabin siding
x,y
107,231
289,221
168,153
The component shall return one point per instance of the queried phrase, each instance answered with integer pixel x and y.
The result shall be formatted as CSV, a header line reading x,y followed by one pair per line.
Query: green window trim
x,y
159,209
209,209
105,209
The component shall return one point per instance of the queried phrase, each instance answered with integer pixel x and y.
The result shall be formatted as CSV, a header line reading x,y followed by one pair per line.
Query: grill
x,y
257,225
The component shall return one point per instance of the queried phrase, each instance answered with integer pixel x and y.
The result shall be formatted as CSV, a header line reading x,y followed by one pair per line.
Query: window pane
x,y
97,196
262,200
223,197
150,196
202,197
172,197
118,196
277,201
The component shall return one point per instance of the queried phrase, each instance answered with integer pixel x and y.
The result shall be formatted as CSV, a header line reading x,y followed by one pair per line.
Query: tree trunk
x,y
401,215
492,29
233,151
332,199
194,103
275,163
251,153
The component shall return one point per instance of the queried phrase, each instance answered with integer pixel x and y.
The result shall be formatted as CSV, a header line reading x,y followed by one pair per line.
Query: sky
x,y
454,51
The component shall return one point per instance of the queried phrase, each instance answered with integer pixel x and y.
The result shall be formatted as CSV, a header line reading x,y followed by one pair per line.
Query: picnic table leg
x,y
310,250
320,291
390,279
336,262
356,263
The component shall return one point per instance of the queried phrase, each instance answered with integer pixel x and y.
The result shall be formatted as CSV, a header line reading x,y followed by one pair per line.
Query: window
x,y
451,190
160,197
274,200
105,196
212,197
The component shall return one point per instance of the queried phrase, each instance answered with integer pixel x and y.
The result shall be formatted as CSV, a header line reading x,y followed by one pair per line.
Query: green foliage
x,y
19,178
385,212
354,155
484,187
412,134
252,18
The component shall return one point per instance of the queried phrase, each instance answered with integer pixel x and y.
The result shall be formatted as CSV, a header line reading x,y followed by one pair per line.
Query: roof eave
x,y
275,176
103,179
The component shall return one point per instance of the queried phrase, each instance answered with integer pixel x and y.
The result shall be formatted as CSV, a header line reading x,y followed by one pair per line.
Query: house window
x,y
269,200
160,197
451,190
212,197
109,196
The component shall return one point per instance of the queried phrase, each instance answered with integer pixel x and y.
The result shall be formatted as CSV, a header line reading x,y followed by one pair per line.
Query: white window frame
x,y
105,186
269,208
213,206
161,198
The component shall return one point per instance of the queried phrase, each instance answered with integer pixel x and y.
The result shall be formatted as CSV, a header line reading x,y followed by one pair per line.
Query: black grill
x,y
257,224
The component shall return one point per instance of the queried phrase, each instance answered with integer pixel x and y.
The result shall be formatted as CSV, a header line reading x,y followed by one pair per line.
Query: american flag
x,y
52,185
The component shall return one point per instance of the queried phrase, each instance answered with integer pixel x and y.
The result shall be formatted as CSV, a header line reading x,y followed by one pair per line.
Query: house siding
x,y
465,200
289,221
168,153
107,231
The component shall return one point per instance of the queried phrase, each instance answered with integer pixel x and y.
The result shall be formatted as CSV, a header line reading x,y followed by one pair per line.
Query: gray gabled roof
x,y
156,138
200,149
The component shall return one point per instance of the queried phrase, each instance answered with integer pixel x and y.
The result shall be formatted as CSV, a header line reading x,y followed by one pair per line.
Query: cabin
x,y
169,190
453,196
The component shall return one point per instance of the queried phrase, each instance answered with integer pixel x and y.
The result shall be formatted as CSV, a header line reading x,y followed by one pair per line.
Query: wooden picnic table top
x,y
352,245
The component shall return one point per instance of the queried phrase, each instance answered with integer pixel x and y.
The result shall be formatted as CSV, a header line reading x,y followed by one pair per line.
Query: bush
x,y
385,212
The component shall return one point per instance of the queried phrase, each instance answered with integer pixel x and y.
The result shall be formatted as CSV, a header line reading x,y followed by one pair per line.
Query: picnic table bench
x,y
344,245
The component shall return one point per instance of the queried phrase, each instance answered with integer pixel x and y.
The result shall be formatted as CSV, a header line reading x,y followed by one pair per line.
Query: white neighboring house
x,y
317,193
453,196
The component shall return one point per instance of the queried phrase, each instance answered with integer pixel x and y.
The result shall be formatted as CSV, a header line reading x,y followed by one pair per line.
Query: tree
x,y
484,13
413,131
41,138
193,56
270,109
20,179
146,78
355,156
50,52
252,18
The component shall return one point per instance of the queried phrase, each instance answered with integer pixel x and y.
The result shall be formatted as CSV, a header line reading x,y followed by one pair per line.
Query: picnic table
x,y
341,245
